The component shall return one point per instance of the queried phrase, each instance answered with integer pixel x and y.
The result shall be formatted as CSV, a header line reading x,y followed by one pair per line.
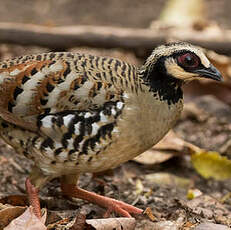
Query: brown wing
x,y
55,82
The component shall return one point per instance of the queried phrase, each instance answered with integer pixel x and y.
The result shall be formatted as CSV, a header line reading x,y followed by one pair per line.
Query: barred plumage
x,y
75,113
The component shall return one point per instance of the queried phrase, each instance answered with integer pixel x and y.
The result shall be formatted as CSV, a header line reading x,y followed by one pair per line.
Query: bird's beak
x,y
211,72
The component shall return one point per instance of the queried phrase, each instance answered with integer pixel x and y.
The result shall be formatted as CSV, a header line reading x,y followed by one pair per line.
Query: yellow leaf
x,y
212,165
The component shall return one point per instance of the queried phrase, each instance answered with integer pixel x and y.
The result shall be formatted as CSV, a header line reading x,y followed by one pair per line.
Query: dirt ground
x,y
129,182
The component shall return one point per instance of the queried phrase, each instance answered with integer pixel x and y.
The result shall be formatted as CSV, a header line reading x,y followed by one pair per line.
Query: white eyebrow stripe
x,y
205,62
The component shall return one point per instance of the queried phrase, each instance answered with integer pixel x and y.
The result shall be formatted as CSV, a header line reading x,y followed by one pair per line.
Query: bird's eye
x,y
188,60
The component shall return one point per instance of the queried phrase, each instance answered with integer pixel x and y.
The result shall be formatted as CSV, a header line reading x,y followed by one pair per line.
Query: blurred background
x,y
125,13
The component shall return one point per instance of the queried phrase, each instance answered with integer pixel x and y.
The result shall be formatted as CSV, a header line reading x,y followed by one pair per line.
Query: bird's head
x,y
179,61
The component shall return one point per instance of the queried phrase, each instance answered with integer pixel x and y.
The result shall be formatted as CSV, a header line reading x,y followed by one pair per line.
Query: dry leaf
x,y
8,213
15,200
152,156
80,222
211,164
27,221
113,223
171,142
149,213
66,223
171,145
167,178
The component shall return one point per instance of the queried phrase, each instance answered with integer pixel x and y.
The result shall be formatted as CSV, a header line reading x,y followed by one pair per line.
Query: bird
x,y
74,113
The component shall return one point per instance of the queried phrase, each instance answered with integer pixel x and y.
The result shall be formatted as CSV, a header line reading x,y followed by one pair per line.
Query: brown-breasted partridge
x,y
75,113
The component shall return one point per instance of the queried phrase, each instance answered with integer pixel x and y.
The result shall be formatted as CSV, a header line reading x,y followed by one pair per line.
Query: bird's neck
x,y
165,86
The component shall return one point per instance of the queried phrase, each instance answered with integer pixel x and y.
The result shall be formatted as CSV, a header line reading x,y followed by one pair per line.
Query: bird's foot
x,y
110,204
121,208
32,192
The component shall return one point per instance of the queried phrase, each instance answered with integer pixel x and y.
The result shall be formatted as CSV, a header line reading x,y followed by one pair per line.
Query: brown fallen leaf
x,y
15,200
171,145
167,179
149,213
80,222
188,226
8,213
66,223
112,223
171,142
27,221
153,156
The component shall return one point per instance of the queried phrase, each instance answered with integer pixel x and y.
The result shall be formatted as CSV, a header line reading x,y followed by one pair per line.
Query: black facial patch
x,y
167,87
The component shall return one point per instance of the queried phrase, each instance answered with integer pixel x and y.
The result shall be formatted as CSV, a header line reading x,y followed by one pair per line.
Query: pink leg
x,y
110,204
33,198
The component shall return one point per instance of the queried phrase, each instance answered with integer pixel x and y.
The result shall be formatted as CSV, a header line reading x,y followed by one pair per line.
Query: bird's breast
x,y
144,122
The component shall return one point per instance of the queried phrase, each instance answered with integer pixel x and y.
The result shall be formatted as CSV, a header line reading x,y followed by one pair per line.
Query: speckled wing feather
x,y
55,82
